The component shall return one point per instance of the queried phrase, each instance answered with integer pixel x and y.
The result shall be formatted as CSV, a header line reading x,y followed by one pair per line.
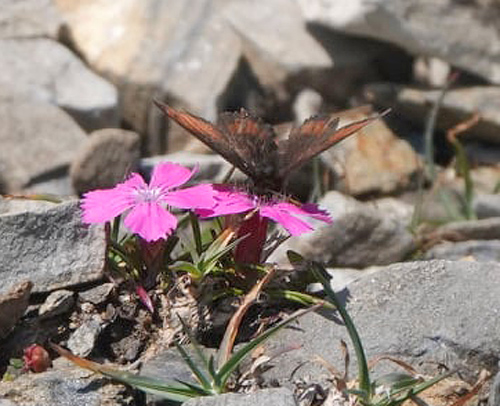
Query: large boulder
x,y
38,139
42,69
439,28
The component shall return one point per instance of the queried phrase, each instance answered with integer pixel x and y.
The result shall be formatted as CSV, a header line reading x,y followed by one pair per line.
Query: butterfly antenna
x,y
228,175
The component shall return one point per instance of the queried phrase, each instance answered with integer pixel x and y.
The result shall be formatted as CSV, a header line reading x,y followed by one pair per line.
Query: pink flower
x,y
259,211
146,204
290,216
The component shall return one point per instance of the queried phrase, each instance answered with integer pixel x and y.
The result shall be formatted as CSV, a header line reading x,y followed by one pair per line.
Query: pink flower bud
x,y
36,358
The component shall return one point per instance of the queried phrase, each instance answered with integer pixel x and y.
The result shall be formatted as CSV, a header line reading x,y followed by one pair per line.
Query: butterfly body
x,y
252,146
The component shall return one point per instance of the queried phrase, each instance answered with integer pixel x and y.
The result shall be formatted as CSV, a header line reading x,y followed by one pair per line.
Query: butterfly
x,y
252,146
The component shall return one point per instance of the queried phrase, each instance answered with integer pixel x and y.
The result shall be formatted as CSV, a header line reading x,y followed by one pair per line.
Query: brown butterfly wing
x,y
316,135
243,140
206,132
252,140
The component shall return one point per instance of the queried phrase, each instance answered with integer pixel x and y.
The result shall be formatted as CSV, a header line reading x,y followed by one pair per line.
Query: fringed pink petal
x,y
200,196
150,221
280,213
104,205
313,210
168,175
228,201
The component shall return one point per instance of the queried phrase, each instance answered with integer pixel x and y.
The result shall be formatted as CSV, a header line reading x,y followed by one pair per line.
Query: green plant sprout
x,y
388,390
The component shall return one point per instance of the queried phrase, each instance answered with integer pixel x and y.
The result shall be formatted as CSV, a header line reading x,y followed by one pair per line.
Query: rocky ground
x,y
414,253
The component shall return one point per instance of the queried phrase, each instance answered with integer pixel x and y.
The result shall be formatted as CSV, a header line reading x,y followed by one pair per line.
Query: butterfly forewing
x,y
316,135
206,132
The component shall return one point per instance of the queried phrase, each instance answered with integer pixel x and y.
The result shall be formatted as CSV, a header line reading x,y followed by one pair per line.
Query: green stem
x,y
195,224
363,372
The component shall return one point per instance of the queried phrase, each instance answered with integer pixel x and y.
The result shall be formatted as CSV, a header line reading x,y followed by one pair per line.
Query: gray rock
x,y
200,58
29,18
13,304
5,402
168,366
105,160
84,338
307,103
277,42
44,70
483,251
494,398
64,385
426,313
211,168
97,295
484,229
372,161
37,140
458,105
58,302
487,205
356,239
420,27
18,205
284,52
54,184
275,396
51,247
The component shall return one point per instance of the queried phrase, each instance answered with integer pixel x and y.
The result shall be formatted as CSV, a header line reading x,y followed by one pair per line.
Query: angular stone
x,y
487,205
426,313
97,295
106,159
278,40
484,229
274,396
50,247
211,167
200,55
37,139
65,385
13,304
421,27
371,161
483,251
29,18
458,105
83,339
359,236
43,70
58,302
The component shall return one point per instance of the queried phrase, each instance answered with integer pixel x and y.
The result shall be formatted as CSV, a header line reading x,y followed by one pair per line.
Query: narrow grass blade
x,y
229,367
146,384
204,381
363,373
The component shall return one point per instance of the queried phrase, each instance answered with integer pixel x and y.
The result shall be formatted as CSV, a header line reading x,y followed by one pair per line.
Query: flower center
x,y
147,194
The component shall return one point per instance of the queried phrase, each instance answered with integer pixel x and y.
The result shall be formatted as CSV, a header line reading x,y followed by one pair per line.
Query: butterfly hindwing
x,y
314,136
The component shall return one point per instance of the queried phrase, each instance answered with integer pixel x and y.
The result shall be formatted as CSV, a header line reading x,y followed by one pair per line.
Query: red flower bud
x,y
36,358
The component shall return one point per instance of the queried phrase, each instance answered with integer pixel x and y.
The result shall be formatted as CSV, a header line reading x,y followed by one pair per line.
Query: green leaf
x,y
151,385
303,299
16,363
188,267
363,372
204,381
229,367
